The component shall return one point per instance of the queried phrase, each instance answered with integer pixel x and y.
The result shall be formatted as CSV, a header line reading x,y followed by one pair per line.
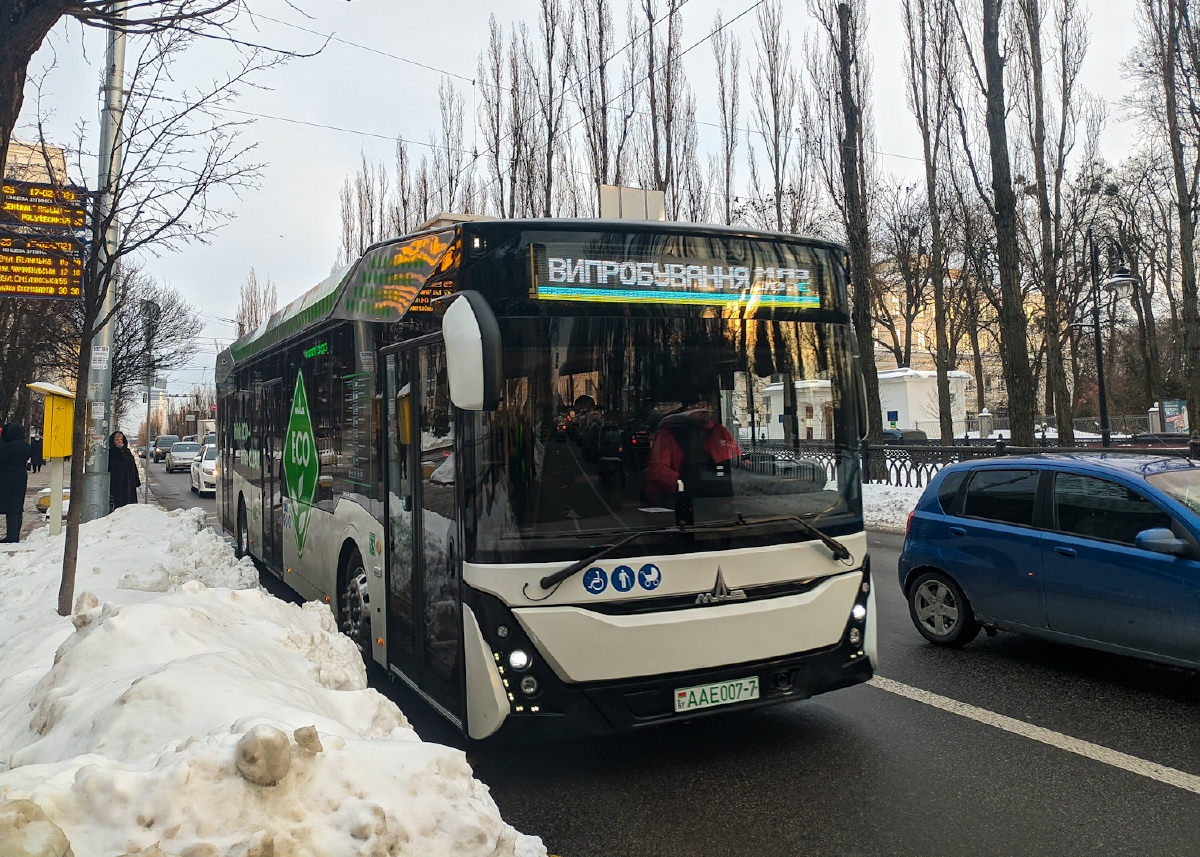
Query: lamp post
x,y
1121,277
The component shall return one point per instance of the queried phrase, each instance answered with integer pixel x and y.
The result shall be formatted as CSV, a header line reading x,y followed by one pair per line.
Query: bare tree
x,y
842,68
24,24
1169,70
984,78
727,54
256,302
903,224
607,117
160,204
1046,104
550,71
668,96
367,211
928,43
775,87
450,161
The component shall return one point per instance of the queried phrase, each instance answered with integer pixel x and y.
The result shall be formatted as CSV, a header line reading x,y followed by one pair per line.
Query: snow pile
x,y
886,507
151,718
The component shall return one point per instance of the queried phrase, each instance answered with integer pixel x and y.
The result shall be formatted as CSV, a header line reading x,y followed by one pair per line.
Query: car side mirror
x,y
1160,540
473,352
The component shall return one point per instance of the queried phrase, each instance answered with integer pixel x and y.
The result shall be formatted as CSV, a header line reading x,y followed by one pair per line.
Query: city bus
x,y
533,468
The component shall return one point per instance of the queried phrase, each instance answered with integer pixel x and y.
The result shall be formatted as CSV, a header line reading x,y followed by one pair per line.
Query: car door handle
x,y
1062,551
958,531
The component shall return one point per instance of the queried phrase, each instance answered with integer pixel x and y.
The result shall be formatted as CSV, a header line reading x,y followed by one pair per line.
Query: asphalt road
x,y
173,490
1007,747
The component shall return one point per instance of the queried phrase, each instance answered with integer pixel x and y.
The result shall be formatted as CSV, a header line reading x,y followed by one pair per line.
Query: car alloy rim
x,y
355,616
936,607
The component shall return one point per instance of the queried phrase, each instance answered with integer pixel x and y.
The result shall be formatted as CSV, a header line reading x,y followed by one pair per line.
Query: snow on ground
x,y
123,722
886,507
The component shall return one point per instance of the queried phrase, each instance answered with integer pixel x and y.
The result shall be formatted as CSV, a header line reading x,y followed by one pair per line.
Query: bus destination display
x,y
40,268
563,275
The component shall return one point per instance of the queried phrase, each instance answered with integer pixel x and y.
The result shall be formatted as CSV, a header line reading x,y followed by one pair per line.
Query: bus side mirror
x,y
472,352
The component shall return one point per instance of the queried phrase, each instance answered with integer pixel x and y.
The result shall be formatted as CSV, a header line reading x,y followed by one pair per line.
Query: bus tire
x,y
354,611
242,547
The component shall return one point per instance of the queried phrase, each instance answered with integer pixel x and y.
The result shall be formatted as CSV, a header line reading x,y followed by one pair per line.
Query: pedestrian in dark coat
x,y
35,456
14,479
123,479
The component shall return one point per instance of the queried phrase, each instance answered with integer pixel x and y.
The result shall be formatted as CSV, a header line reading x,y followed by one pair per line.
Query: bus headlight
x,y
518,659
858,613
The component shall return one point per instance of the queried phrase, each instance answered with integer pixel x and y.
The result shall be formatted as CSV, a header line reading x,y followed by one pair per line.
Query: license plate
x,y
720,693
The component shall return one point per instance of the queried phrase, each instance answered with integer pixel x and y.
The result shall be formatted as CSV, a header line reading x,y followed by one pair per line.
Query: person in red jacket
x,y
691,447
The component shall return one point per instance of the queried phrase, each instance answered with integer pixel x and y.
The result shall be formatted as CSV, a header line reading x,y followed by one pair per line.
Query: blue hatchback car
x,y
1092,549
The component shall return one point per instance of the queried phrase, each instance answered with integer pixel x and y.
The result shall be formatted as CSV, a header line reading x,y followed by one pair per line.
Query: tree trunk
x,y
1013,325
1184,200
857,227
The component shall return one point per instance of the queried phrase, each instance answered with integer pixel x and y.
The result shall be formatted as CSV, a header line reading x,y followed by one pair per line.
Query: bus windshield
x,y
623,424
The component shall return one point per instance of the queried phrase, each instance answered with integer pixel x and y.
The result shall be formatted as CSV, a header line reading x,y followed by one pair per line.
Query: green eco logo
x,y
300,464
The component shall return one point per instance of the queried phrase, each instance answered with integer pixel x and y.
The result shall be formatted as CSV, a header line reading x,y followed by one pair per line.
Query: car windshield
x,y
168,440
1183,485
185,448
210,453
747,417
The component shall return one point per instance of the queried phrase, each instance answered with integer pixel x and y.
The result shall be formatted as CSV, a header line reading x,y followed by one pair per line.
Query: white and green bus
x,y
527,463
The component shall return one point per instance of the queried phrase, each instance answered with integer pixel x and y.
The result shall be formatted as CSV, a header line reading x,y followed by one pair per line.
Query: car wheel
x,y
242,548
195,490
941,611
354,612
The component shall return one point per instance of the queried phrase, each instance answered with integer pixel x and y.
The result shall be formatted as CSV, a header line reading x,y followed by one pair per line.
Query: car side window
x,y
1006,496
948,490
1099,509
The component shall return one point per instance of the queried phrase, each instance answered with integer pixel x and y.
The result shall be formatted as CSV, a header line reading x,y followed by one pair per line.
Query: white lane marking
x,y
1132,764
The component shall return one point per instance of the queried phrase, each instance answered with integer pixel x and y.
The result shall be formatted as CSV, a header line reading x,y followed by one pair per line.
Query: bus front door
x,y
424,607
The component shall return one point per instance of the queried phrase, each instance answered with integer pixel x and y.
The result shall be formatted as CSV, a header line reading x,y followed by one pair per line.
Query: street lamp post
x,y
1122,277
1105,432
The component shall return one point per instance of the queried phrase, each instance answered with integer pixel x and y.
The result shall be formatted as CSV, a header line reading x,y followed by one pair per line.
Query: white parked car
x,y
180,455
204,470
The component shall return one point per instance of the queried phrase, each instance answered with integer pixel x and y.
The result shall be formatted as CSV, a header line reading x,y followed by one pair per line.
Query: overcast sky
x,y
380,81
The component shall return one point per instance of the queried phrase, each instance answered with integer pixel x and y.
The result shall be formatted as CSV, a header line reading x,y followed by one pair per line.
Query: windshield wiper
x,y
839,550
576,567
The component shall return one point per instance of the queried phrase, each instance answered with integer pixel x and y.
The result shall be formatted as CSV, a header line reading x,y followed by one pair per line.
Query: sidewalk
x,y
35,517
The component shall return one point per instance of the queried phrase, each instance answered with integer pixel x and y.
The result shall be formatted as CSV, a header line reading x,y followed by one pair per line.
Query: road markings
x,y
1132,764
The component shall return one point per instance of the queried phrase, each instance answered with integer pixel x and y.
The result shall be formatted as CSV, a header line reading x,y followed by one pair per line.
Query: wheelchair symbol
x,y
595,580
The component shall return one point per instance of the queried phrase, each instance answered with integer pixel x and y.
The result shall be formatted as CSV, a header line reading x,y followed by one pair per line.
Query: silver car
x,y
180,455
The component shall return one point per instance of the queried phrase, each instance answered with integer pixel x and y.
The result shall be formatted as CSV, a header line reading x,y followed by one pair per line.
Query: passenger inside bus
x,y
693,449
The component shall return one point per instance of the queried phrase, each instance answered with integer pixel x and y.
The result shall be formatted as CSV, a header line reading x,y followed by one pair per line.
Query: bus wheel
x,y
354,614
243,535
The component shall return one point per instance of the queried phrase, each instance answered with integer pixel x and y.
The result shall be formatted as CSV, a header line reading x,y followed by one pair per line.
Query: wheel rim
x,y
936,608
356,616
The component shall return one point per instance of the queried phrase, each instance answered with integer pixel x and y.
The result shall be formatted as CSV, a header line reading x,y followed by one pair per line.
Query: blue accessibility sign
x,y
595,580
649,577
622,578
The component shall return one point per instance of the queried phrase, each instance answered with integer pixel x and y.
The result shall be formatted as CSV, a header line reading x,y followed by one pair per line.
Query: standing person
x,y
123,479
35,456
14,479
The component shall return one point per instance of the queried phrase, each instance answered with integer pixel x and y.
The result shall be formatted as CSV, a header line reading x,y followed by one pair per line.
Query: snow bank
x,y
122,723
886,507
